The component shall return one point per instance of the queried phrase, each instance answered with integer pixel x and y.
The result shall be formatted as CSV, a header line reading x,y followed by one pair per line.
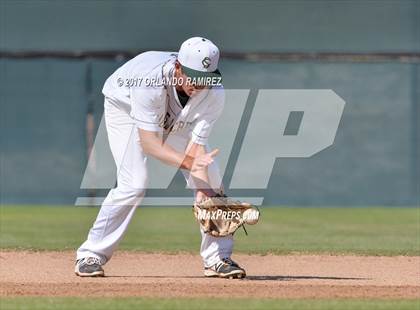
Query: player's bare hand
x,y
202,161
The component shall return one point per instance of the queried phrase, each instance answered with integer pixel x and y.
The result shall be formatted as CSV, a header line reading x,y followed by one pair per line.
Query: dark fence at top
x,y
56,55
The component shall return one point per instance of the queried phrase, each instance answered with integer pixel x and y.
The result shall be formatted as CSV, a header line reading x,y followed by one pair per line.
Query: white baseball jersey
x,y
138,87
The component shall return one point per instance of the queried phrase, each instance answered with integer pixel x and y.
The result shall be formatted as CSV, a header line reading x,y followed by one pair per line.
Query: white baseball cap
x,y
199,57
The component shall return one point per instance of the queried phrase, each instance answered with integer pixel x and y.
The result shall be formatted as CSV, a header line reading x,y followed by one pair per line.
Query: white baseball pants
x,y
120,204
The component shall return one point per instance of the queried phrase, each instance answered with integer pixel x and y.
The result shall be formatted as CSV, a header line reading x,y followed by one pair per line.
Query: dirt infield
x,y
25,273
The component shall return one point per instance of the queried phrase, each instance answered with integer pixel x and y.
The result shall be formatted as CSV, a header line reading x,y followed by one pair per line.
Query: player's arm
x,y
200,176
153,145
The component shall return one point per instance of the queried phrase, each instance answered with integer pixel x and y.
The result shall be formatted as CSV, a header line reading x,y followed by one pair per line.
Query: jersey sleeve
x,y
147,107
205,122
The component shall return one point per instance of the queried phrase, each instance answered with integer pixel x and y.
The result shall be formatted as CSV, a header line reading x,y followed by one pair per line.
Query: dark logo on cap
x,y
206,62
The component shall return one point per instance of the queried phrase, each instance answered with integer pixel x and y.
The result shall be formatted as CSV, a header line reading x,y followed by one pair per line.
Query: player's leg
x,y
216,251
119,205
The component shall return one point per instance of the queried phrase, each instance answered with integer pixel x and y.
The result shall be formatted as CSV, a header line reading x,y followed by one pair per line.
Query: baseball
x,y
251,216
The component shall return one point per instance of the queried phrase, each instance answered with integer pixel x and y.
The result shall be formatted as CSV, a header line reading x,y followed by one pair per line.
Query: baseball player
x,y
161,104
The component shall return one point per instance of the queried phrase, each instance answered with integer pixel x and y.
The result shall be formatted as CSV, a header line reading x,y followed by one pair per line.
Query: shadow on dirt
x,y
248,278
294,278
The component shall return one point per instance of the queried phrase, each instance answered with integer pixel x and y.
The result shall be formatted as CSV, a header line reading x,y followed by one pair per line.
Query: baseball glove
x,y
220,216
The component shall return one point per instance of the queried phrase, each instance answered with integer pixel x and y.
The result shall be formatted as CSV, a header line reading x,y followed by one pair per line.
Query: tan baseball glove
x,y
220,216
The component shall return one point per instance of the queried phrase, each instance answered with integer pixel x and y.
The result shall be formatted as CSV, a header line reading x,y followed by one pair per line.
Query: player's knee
x,y
135,192
128,192
136,187
139,192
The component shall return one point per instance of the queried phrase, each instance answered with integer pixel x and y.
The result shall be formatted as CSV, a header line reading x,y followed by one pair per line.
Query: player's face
x,y
189,88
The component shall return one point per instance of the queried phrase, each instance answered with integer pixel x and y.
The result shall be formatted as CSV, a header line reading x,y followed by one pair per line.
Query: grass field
x,y
208,304
366,231
370,231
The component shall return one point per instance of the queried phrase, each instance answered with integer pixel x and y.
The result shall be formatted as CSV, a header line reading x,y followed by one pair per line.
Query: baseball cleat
x,y
226,268
89,267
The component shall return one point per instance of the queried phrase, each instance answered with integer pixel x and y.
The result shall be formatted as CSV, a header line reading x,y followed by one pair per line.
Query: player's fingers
x,y
214,152
204,162
208,161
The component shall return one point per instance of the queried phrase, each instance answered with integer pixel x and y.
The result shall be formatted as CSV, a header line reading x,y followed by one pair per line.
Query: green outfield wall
x,y
45,100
